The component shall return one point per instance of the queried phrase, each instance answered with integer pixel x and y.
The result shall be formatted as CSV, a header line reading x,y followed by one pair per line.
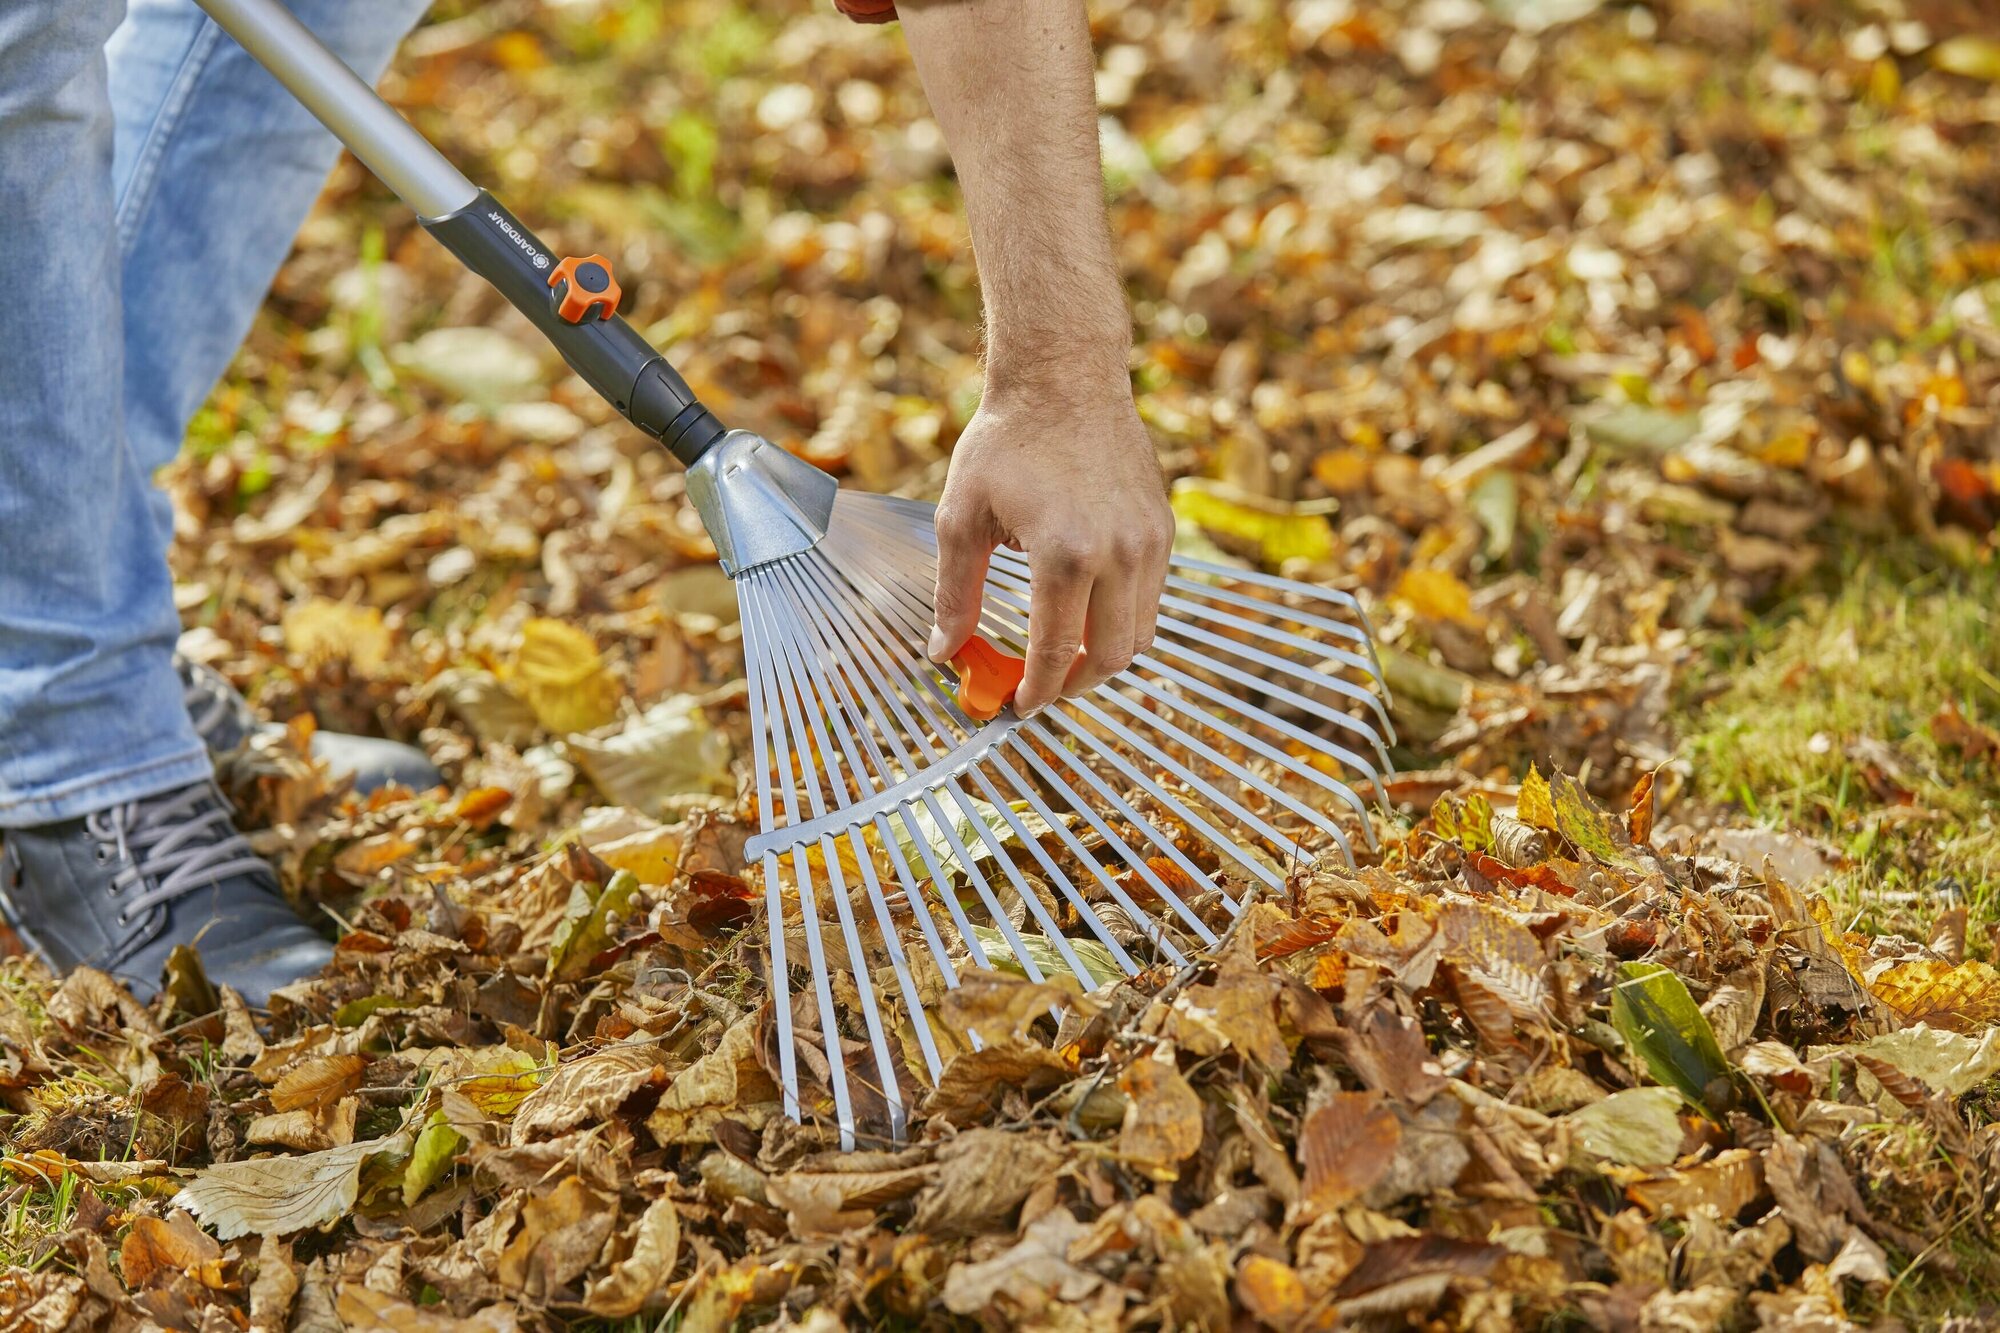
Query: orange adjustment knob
x,y
584,285
987,678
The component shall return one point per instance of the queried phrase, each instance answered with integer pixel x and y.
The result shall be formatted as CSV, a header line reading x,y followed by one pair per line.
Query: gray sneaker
x,y
119,888
223,719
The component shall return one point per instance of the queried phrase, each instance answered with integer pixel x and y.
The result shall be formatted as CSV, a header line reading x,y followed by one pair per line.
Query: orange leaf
x,y
1639,819
156,1251
318,1082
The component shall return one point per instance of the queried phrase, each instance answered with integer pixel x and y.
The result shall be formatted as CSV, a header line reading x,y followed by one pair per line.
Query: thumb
x,y
963,553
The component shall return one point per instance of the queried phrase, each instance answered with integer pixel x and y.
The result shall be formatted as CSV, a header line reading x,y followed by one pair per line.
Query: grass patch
x,y
1802,708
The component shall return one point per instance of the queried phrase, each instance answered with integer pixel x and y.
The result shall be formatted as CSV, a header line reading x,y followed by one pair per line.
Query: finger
x,y
1107,632
1146,593
963,553
1056,617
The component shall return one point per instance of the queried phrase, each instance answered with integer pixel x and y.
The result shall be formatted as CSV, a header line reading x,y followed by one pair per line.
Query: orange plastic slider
x,y
588,288
987,678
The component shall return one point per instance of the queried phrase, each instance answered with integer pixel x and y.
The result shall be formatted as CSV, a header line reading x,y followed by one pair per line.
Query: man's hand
x,y
1056,463
1071,479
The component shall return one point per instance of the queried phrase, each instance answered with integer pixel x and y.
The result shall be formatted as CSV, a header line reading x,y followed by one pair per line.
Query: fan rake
x,y
899,822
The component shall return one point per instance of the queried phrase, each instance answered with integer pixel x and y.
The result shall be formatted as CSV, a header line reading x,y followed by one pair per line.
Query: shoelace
x,y
170,846
212,705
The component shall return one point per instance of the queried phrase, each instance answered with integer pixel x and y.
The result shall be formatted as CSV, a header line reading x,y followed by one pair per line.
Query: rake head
x,y
910,842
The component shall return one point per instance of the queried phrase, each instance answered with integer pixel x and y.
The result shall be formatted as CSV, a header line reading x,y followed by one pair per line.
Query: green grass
x,y
1871,654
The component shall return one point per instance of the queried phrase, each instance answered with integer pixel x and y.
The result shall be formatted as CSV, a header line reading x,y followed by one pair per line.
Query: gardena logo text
x,y
541,260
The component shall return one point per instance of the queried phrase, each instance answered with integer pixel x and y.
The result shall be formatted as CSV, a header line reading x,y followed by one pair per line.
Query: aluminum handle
x,y
387,144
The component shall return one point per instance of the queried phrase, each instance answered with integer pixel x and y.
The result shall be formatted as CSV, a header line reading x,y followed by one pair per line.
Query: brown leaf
x,y
983,1175
587,1089
1956,731
972,1080
1163,1119
562,1231
650,1248
728,1081
1237,1010
1033,1271
1346,1146
1389,1053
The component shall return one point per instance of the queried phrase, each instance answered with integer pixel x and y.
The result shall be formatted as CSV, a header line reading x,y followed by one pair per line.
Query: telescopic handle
x,y
571,300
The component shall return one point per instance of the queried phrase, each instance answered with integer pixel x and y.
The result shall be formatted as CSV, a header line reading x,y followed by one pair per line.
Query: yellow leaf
x,y
1280,532
1438,594
1972,56
318,632
1964,997
558,671
518,51
1343,471
1535,805
511,1077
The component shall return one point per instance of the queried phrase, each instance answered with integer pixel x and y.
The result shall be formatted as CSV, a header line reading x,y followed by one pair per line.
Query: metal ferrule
x,y
758,502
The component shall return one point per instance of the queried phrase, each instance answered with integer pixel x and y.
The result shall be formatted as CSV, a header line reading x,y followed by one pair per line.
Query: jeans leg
x,y
90,708
216,168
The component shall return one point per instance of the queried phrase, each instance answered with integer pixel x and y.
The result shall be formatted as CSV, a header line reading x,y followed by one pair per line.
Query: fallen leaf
x,y
1635,1127
279,1195
649,1248
558,672
1346,1145
1653,1011
318,631
1163,1119
317,1082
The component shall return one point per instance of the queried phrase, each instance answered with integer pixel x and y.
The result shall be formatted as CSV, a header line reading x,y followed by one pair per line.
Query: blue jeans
x,y
152,177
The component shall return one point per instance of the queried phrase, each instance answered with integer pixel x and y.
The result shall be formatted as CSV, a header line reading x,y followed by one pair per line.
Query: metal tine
x,y
1033,846
1222,842
1138,863
940,878
1005,589
774,897
751,597
1298,670
979,881
1132,817
1243,737
857,955
865,636
1007,583
1227,765
825,673
1141,920
911,615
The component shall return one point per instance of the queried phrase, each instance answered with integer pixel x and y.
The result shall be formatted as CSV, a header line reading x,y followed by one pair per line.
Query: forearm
x,y
1012,83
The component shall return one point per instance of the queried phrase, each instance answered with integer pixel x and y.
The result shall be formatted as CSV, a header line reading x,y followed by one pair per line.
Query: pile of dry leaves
x,y
1560,334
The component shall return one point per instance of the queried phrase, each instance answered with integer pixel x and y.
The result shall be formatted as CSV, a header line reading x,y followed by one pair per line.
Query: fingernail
x,y
939,649
1030,713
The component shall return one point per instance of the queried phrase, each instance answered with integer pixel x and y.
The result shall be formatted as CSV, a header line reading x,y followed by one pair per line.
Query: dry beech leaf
x,y
317,1082
558,671
155,1251
363,1310
589,1089
649,1247
982,1176
1346,1146
318,631
726,1083
1536,804
1964,997
266,1196
1162,1116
